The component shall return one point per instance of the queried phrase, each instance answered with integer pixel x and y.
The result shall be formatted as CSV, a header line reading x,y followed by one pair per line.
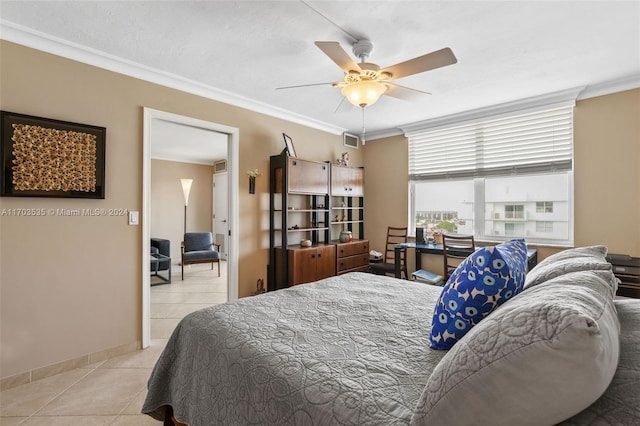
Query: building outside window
x,y
445,206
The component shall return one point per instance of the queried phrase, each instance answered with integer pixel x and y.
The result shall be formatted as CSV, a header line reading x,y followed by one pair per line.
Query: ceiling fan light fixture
x,y
364,93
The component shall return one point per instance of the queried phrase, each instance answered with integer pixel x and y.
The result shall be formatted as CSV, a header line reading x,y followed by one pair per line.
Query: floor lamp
x,y
186,189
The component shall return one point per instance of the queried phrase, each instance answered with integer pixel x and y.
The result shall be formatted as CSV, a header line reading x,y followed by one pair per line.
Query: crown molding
x,y
613,86
40,41
385,133
564,97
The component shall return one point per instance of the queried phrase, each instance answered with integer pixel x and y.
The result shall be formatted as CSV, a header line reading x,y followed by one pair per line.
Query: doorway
x,y
152,116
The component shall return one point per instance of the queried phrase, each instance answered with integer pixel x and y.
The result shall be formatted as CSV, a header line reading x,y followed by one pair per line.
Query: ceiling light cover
x,y
364,93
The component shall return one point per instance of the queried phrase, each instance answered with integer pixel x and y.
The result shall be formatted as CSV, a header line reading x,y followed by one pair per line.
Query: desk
x,y
532,254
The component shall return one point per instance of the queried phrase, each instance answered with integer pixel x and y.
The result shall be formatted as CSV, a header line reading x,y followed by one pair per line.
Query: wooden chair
x,y
455,248
395,236
198,247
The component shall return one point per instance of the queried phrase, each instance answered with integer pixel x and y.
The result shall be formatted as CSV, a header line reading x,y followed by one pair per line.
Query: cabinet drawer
x,y
353,248
358,269
357,261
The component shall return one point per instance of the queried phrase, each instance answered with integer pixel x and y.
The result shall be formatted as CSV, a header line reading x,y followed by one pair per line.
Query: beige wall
x,y
71,286
386,188
606,178
167,201
607,172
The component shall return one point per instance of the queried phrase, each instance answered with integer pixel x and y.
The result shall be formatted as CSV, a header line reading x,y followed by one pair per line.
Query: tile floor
x,y
112,392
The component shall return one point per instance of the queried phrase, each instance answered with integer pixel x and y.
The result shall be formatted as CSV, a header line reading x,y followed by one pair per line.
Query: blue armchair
x,y
198,247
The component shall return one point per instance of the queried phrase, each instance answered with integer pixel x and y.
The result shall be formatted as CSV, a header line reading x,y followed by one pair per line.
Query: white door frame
x,y
216,211
233,151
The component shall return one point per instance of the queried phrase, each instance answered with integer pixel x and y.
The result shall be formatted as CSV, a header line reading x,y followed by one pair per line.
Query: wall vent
x,y
350,140
220,166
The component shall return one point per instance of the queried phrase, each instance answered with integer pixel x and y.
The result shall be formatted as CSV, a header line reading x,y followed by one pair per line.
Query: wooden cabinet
x,y
303,177
307,264
347,181
352,256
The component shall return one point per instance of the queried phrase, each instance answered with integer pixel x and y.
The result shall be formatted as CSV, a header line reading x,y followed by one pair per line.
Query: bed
x,y
354,350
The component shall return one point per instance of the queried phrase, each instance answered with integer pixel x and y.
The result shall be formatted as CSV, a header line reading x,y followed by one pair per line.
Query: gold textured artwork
x,y
53,160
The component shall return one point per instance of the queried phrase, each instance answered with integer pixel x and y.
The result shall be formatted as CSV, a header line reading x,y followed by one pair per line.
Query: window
x,y
544,226
544,207
514,211
444,205
513,229
497,177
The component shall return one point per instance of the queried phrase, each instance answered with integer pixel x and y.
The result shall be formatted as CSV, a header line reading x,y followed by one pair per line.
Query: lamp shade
x,y
364,93
186,189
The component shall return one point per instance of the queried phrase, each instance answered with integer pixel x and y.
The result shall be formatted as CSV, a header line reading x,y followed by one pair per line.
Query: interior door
x,y
221,212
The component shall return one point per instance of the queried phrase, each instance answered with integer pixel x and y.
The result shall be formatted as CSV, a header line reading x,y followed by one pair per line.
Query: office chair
x,y
395,236
455,248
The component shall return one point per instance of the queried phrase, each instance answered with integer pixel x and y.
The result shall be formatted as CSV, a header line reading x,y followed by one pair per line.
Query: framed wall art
x,y
288,144
42,157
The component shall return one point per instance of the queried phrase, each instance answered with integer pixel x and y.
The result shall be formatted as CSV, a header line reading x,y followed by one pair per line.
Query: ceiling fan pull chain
x,y
363,141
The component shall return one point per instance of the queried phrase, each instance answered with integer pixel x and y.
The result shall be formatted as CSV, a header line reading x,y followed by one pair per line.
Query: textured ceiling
x,y
180,142
246,49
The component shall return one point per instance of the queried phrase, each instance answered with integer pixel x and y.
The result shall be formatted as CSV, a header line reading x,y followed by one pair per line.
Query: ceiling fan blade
x,y
433,60
305,85
405,93
337,54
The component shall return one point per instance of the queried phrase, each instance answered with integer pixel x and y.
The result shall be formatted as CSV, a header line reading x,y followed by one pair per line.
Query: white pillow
x,y
598,252
570,260
538,359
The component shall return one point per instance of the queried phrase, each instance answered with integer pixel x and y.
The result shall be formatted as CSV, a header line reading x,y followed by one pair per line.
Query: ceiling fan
x,y
365,82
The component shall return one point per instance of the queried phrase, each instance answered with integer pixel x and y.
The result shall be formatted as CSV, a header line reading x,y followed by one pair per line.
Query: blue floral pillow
x,y
482,282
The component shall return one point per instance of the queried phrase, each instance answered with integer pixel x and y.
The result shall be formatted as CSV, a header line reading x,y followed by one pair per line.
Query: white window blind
x,y
523,143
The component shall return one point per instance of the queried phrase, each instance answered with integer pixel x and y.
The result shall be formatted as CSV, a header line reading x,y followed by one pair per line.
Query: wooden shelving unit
x,y
299,206
315,201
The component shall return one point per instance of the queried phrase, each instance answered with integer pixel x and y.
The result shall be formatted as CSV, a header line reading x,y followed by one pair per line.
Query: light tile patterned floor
x,y
112,392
